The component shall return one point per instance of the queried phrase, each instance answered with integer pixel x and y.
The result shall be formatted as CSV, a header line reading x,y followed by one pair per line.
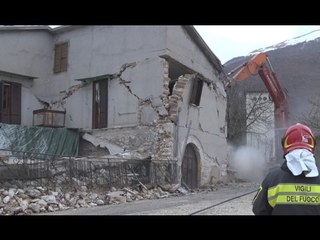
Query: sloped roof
x,y
25,27
213,59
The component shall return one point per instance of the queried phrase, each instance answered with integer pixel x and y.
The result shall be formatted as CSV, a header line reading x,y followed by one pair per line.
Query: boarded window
x,y
196,91
60,58
10,98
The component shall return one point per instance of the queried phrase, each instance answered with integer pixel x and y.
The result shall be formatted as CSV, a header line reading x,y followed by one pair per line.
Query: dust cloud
x,y
247,163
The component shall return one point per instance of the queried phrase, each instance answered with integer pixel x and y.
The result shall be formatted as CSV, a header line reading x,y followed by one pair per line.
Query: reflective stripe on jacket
x,y
282,193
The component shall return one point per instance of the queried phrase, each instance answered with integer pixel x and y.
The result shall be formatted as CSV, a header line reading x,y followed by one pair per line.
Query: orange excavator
x,y
260,64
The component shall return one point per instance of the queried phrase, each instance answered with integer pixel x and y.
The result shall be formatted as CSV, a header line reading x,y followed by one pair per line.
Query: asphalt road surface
x,y
228,199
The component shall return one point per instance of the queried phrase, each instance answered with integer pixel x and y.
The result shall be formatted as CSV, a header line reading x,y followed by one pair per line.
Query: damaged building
x,y
132,92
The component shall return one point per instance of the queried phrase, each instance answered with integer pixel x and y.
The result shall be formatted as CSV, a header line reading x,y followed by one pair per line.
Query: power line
x,y
204,209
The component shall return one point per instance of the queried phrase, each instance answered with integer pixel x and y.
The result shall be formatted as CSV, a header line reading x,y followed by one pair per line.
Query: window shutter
x,y
16,103
57,57
64,57
61,58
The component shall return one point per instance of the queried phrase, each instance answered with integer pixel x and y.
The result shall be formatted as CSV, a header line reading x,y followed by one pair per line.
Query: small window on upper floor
x,y
196,91
60,57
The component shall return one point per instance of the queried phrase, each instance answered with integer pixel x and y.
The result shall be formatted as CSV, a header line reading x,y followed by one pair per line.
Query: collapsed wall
x,y
162,137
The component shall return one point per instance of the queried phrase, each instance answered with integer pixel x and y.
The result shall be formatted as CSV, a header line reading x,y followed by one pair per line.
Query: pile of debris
x,y
19,198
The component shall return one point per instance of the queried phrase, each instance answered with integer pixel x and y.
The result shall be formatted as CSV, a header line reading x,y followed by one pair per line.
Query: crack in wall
x,y
71,90
212,159
142,102
125,82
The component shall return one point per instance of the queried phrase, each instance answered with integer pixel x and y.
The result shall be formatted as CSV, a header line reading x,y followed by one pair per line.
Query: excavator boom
x,y
251,67
260,64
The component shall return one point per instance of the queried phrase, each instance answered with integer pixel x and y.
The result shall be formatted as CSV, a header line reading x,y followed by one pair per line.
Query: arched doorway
x,y
189,168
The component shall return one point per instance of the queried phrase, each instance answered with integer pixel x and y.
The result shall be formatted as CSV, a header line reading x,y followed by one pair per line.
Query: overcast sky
x,y
227,41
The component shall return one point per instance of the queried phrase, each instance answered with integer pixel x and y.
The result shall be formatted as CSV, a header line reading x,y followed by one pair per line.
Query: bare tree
x,y
247,115
311,118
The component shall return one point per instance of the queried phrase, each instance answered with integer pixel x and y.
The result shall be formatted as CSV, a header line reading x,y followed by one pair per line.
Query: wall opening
x,y
176,69
196,91
189,168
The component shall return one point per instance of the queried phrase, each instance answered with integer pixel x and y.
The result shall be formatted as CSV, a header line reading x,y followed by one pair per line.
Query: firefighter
x,y
293,188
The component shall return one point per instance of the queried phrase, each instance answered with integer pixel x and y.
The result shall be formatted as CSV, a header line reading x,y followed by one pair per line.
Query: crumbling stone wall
x,y
157,138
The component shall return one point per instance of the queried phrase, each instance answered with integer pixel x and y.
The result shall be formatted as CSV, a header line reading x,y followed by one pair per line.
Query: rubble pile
x,y
19,198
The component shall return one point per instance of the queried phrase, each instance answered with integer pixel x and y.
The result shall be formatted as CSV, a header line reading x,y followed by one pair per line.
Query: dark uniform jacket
x,y
282,193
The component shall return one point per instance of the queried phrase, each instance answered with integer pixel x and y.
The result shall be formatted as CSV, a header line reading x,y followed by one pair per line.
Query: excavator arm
x,y
260,64
250,67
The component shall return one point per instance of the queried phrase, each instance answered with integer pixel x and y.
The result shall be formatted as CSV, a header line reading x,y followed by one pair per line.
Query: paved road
x,y
188,204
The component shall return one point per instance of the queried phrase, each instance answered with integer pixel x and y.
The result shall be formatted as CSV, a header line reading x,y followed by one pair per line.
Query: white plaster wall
x,y
99,50
208,127
27,53
209,118
146,85
93,51
187,53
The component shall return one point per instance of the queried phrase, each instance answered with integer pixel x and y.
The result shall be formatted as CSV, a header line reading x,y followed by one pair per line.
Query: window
x,y
100,104
60,58
10,99
196,91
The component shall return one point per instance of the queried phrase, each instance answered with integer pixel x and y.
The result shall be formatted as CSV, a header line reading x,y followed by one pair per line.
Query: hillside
x,y
298,69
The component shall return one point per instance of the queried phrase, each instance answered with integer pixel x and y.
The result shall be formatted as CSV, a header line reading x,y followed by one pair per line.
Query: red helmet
x,y
296,137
